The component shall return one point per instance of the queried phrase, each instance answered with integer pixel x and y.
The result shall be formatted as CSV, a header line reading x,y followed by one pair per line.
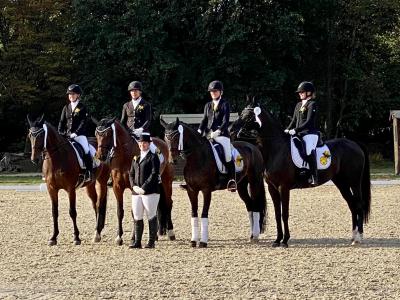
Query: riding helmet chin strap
x,y
114,135
180,130
45,136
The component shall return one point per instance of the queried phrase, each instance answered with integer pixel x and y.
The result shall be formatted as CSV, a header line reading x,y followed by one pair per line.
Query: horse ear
x,y
253,101
95,121
247,98
177,120
41,120
163,123
29,120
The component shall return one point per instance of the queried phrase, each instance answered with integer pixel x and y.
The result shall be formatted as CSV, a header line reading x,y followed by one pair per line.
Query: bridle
x,y
43,149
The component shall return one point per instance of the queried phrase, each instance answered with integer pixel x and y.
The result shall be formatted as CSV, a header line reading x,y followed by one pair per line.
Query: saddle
x,y
219,156
299,156
80,153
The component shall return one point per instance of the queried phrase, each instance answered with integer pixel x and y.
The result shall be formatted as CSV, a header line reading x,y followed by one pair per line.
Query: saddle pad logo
x,y
324,158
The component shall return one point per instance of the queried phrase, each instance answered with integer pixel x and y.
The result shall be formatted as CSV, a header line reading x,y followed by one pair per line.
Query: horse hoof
x,y
202,245
285,245
77,242
193,244
52,242
172,238
275,244
356,243
118,241
97,238
171,235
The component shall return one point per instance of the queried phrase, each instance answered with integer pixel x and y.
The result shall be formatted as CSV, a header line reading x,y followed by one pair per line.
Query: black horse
x,y
349,170
201,174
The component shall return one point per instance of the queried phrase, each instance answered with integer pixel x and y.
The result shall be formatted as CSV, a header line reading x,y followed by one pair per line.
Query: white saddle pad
x,y
92,151
236,156
154,149
323,157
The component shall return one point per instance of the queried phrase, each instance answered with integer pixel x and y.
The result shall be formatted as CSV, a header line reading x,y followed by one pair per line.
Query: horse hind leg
x,y
347,194
254,217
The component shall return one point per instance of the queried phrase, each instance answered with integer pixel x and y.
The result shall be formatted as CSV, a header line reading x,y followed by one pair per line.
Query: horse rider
x,y
144,178
136,114
303,124
73,122
215,123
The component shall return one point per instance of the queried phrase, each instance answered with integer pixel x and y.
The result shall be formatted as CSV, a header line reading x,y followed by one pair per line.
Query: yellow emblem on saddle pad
x,y
238,160
324,158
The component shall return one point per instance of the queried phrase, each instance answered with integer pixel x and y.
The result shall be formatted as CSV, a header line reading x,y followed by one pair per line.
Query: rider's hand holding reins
x,y
292,132
215,133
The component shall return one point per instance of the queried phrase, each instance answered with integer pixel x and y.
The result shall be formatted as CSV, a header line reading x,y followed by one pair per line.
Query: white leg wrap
x,y
256,224
251,222
204,230
195,229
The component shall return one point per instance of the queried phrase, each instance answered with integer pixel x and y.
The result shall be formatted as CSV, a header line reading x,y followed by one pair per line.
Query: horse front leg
x,y
194,203
73,214
119,195
285,198
204,219
276,199
54,211
91,192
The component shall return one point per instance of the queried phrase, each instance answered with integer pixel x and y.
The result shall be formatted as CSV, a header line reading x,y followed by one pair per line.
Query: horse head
x,y
37,137
172,135
246,127
105,137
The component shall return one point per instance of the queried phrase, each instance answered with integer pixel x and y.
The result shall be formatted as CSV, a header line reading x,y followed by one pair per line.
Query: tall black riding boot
x,y
139,225
312,161
153,226
231,186
89,167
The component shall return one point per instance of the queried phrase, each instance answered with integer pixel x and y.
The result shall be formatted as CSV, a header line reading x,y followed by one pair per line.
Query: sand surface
x,y
319,263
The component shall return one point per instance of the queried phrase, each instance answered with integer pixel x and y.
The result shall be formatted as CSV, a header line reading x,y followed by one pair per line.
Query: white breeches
x,y
81,139
226,143
311,141
145,203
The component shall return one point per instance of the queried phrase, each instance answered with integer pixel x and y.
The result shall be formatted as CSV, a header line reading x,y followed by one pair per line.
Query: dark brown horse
x,y
201,174
113,137
61,171
349,170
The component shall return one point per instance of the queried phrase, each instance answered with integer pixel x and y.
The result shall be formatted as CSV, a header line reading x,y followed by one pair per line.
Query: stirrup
x,y
231,186
313,181
88,176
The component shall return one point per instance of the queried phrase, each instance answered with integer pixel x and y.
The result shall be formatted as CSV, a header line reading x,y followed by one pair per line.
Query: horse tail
x,y
263,212
366,184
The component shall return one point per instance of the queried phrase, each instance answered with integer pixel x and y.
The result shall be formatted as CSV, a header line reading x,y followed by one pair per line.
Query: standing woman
x,y
73,122
144,177
303,124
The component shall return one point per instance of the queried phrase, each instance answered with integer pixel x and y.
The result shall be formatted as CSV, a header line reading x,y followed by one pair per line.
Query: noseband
x,y
170,136
101,131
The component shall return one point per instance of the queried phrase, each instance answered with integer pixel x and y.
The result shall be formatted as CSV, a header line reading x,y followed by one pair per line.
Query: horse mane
x,y
275,122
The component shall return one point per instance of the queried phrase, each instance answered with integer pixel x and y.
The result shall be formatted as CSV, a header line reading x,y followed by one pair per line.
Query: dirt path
x,y
319,264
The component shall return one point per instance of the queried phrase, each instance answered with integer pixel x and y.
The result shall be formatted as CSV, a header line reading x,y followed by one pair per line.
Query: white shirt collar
x,y
143,154
74,104
136,102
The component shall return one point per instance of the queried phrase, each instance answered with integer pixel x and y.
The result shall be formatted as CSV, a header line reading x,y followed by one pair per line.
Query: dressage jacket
x,y
146,173
73,121
304,119
139,117
216,119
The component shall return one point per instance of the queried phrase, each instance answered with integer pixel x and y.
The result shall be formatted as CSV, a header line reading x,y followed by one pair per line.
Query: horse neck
x,y
124,140
271,136
55,143
193,145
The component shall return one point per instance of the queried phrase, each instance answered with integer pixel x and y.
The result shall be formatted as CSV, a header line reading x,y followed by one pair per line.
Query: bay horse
x,y
201,174
61,170
349,170
113,138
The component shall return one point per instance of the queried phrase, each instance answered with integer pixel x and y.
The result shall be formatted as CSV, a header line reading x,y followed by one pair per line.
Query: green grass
x,y
15,180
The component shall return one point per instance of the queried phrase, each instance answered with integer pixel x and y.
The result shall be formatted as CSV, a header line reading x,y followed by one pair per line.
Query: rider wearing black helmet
x,y
136,114
73,124
303,124
215,122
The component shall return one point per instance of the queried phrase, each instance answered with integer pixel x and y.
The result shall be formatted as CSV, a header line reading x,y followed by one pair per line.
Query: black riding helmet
x,y
305,86
74,88
135,85
215,85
